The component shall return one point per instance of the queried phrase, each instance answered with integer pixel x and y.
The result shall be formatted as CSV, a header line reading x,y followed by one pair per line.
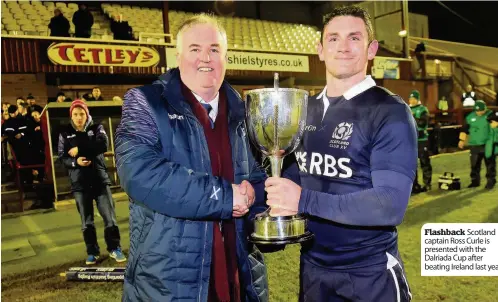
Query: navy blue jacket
x,y
164,166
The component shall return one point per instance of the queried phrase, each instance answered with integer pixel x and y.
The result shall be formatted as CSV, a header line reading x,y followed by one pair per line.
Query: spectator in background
x,y
20,100
120,28
59,25
468,97
17,133
37,150
5,106
117,99
96,95
31,101
83,22
419,49
81,149
61,97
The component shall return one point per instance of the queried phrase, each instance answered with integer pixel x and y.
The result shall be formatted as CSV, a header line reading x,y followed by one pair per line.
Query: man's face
x,y
96,92
31,102
57,12
480,113
14,115
345,49
36,116
19,102
5,107
412,101
202,58
60,99
468,88
79,117
6,115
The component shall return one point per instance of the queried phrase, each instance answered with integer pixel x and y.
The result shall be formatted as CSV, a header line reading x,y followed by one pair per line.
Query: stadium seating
x,y
242,33
27,18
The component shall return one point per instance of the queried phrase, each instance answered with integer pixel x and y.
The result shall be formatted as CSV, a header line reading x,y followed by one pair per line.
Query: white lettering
x,y
316,161
345,168
330,164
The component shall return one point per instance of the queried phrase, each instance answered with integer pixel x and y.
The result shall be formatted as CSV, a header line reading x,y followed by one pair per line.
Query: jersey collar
x,y
364,85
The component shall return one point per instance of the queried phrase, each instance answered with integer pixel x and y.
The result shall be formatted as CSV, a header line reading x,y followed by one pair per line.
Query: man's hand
x,y
18,136
246,188
82,161
240,202
494,124
73,152
283,196
37,128
461,144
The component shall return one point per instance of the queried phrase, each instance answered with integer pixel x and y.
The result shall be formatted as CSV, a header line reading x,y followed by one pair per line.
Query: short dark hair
x,y
350,10
12,109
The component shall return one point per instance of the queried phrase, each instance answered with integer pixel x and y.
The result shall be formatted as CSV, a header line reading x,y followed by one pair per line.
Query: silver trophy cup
x,y
276,119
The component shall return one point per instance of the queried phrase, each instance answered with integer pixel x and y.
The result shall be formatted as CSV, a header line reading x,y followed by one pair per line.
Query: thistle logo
x,y
343,131
341,134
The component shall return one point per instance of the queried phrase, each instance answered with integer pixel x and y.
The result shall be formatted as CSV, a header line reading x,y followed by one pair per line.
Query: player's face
x,y
202,58
345,48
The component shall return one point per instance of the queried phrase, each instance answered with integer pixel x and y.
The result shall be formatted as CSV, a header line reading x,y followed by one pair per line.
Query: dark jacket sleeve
x,y
92,148
68,161
153,180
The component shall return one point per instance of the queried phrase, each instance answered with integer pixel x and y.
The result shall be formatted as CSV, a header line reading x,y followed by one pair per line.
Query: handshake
x,y
283,197
243,198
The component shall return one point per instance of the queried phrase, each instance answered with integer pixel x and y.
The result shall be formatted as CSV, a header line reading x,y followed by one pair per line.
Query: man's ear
x,y
372,49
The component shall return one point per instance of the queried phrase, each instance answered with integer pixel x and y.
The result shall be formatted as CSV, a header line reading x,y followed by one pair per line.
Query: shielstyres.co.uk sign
x,y
102,55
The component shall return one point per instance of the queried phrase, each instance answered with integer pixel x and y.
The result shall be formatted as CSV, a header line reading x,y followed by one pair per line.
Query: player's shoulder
x,y
379,95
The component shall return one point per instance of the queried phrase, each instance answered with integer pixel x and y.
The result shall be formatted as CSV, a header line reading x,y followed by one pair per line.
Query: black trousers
x,y
105,205
425,164
476,157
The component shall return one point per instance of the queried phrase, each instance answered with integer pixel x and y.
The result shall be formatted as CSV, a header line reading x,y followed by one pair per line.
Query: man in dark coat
x,y
59,25
83,22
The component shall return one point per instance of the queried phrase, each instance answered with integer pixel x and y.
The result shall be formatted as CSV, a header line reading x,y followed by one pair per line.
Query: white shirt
x,y
364,85
213,103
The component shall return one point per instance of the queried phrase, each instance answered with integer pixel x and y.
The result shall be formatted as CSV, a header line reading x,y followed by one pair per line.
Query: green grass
x,y
467,205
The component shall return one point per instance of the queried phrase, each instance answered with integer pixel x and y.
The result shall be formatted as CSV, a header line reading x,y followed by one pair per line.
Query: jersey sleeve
x,y
394,142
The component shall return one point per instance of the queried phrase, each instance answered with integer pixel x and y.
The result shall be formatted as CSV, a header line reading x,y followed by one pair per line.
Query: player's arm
x,y
393,163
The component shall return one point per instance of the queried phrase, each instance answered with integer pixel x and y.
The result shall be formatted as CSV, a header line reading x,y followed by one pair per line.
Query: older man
x,y
181,148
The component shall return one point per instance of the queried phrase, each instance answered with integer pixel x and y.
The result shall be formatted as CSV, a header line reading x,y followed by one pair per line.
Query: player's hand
x,y
494,124
82,161
73,152
240,202
37,128
283,196
18,136
461,144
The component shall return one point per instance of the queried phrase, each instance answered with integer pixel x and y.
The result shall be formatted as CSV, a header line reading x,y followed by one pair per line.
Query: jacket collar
x,y
172,92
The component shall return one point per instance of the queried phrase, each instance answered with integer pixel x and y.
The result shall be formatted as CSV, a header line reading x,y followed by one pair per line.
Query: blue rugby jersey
x,y
356,164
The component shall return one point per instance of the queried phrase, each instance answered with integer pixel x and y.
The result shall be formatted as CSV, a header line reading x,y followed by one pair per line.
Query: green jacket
x,y
421,115
491,148
478,128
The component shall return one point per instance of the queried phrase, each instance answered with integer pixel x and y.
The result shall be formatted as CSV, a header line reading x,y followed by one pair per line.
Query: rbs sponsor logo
x,y
324,164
